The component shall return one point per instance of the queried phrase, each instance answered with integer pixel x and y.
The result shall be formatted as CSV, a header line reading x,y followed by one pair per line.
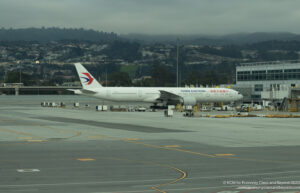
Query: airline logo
x,y
219,91
88,78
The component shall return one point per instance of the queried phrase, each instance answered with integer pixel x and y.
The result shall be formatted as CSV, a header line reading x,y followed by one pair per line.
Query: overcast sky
x,y
155,16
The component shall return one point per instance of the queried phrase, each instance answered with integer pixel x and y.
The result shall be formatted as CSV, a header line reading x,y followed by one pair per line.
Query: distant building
x,y
13,84
141,79
268,80
75,83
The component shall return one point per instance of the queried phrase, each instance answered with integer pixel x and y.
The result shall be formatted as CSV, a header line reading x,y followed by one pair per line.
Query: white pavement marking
x,y
28,170
27,190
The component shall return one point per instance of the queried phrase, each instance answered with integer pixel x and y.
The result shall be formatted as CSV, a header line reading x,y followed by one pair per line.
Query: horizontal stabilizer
x,y
82,91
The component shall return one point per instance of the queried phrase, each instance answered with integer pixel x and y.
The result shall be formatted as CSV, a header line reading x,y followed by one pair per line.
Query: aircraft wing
x,y
168,96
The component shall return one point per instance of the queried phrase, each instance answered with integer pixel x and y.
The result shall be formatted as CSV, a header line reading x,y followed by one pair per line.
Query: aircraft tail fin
x,y
87,80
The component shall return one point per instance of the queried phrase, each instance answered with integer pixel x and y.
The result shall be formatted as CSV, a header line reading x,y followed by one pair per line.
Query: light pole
x,y
39,73
106,77
20,74
105,71
177,62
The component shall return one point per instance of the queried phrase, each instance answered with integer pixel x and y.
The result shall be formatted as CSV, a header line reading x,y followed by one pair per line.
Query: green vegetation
x,y
128,51
130,69
16,77
209,78
119,79
162,76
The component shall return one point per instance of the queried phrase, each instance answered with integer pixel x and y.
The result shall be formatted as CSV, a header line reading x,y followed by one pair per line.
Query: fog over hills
x,y
55,34
238,38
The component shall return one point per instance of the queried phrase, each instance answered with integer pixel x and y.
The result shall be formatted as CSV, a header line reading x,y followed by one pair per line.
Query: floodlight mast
x,y
177,80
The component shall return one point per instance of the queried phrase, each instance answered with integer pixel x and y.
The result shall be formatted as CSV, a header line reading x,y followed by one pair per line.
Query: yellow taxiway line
x,y
85,159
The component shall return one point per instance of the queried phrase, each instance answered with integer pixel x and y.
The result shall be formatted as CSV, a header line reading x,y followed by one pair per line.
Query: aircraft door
x,y
140,93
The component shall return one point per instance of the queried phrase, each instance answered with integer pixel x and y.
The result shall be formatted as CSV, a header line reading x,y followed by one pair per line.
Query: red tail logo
x,y
87,79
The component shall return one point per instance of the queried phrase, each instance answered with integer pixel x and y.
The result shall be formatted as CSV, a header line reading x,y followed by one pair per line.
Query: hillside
x,y
55,34
231,39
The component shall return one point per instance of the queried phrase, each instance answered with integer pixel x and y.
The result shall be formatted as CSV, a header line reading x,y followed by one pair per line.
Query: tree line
x,y
55,34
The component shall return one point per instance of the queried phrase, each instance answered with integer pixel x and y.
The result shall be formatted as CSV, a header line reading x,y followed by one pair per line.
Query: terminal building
x,y
273,81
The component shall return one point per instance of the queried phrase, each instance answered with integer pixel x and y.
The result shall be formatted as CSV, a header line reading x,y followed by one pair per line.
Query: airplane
x,y
155,95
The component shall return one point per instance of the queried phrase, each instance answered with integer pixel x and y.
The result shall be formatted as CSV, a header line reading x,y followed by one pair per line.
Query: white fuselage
x,y
151,94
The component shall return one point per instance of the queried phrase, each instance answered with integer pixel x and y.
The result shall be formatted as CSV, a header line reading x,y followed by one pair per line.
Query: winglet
x,y
87,80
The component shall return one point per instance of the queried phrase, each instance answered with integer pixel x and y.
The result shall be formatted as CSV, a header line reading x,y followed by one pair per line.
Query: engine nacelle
x,y
189,100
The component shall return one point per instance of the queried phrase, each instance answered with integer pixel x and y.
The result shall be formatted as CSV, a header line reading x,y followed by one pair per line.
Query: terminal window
x,y
292,74
259,75
256,96
258,87
275,75
244,76
256,75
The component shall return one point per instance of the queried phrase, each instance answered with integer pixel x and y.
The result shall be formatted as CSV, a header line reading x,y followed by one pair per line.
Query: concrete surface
x,y
84,151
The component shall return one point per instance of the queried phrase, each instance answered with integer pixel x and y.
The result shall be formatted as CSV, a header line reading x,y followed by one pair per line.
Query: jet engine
x,y
188,100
